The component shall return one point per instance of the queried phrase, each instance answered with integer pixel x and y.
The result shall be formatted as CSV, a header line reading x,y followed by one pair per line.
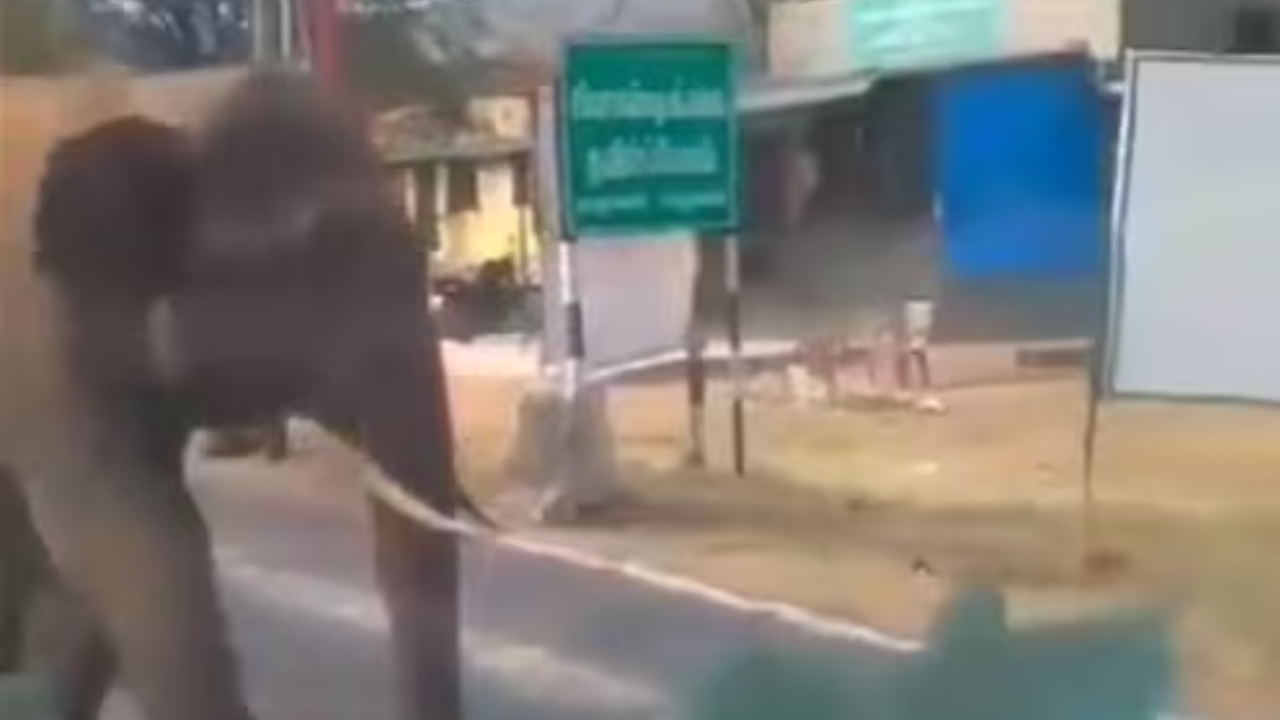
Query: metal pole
x,y
286,29
696,384
326,41
259,31
522,170
569,293
737,371
571,303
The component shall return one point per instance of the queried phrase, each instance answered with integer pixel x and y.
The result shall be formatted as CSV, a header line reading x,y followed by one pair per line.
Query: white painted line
x,y
679,585
400,500
536,672
795,616
513,360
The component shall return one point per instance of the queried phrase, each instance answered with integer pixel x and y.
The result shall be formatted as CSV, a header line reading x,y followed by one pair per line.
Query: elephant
x,y
218,278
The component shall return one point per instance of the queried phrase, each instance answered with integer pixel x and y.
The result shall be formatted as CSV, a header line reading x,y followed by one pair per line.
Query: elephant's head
x,y
283,275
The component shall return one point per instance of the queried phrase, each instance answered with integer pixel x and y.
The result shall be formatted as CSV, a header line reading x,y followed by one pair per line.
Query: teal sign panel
x,y
889,35
648,137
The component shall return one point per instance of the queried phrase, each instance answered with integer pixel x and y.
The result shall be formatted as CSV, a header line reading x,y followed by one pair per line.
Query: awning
x,y
483,148
771,95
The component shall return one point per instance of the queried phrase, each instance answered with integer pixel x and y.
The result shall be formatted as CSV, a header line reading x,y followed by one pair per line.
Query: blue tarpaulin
x,y
1021,153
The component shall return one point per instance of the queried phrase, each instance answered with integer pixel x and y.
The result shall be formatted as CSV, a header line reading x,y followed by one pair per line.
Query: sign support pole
x,y
737,371
630,114
696,385
571,305
573,370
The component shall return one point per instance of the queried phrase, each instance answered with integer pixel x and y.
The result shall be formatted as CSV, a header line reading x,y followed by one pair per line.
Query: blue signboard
x,y
1021,158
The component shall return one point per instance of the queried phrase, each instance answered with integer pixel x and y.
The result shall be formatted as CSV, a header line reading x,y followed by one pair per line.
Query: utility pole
x,y
288,31
324,23
265,29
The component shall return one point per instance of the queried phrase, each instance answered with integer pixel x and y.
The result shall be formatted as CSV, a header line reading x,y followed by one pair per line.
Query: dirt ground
x,y
870,515
840,511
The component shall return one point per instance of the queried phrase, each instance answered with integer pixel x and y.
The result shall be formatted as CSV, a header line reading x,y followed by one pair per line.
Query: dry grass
x,y
840,509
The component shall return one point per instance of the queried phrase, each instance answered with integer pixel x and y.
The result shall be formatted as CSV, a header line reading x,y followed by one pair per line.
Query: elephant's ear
x,y
113,209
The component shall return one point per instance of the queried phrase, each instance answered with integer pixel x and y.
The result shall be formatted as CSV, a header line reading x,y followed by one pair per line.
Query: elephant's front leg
x,y
132,543
417,571
395,410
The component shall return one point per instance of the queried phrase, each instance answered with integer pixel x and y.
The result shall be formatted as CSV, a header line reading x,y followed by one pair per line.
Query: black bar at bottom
x,y
576,330
738,418
696,387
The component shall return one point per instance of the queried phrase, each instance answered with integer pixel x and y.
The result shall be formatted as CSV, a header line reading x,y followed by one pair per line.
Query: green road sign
x,y
907,34
648,137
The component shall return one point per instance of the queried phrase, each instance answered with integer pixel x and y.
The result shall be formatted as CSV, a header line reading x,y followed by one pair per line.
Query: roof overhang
x,y
780,96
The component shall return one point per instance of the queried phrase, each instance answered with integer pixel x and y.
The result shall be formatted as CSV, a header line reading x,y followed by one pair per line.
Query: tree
x,y
39,37
398,52
171,34
386,65
403,52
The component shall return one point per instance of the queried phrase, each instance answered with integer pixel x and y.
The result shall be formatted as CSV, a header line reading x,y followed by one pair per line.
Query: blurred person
x,y
899,366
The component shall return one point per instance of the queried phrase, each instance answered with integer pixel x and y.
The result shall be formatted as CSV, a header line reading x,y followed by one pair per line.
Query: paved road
x,y
547,640
543,639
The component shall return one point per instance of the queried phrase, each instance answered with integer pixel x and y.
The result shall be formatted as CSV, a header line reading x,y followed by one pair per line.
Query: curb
x,y
794,616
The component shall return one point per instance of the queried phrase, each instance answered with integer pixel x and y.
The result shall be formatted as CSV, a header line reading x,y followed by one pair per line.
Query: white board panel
x,y
637,300
637,293
1195,310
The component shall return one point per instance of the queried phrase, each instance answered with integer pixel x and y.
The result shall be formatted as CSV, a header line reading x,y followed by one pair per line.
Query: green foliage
x,y
410,52
38,37
386,65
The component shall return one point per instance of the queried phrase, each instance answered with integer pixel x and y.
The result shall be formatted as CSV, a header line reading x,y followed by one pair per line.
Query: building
x,y
820,38
467,190
1202,25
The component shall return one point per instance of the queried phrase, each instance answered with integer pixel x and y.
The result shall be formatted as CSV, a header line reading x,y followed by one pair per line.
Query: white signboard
x,y
637,294
1196,266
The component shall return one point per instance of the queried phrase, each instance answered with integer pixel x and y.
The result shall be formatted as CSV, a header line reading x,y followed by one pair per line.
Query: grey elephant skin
x,y
180,281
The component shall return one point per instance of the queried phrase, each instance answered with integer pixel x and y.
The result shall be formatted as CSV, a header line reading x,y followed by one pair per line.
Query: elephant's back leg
x,y
23,565
418,573
44,628
124,531
64,643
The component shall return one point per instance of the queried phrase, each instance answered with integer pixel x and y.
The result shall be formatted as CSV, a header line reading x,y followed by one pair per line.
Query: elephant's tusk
x,y
400,500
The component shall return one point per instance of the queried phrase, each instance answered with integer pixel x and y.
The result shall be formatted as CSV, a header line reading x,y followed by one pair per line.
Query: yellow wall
x,y
505,116
491,231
